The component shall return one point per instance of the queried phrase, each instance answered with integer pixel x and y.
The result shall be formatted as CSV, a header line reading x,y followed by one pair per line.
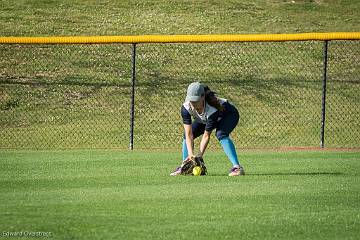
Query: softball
x,y
197,171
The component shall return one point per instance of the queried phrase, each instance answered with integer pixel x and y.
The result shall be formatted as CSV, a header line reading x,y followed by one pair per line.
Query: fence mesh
x,y
65,96
343,95
71,96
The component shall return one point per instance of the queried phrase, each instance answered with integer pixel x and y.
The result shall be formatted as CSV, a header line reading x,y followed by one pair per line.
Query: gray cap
x,y
194,92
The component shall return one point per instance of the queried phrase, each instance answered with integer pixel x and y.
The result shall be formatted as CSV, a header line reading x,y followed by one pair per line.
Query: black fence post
x,y
323,104
132,104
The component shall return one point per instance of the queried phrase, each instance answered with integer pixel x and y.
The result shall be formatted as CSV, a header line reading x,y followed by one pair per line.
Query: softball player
x,y
209,113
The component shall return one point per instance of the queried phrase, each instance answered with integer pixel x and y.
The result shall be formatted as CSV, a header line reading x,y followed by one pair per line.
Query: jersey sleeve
x,y
186,117
212,121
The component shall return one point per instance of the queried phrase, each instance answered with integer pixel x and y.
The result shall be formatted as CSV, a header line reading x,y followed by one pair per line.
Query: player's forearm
x,y
204,143
190,144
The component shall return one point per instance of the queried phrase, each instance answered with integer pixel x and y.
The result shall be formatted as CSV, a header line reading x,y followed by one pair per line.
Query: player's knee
x,y
221,134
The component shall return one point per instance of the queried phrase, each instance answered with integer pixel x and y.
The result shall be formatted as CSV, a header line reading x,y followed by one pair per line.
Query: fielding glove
x,y
188,165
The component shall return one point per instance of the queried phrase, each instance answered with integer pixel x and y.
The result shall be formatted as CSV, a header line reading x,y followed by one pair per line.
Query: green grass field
x,y
129,195
111,17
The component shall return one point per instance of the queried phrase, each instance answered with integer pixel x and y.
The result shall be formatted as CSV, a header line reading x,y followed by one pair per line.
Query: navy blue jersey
x,y
209,117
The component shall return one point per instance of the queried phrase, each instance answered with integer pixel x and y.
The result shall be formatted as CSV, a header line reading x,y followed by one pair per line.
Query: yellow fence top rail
x,y
183,38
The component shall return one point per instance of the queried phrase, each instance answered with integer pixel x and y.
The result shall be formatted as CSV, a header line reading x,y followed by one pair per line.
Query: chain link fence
x,y
79,96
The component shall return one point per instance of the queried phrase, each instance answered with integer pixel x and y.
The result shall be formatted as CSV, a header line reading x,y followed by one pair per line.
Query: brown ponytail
x,y
212,100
